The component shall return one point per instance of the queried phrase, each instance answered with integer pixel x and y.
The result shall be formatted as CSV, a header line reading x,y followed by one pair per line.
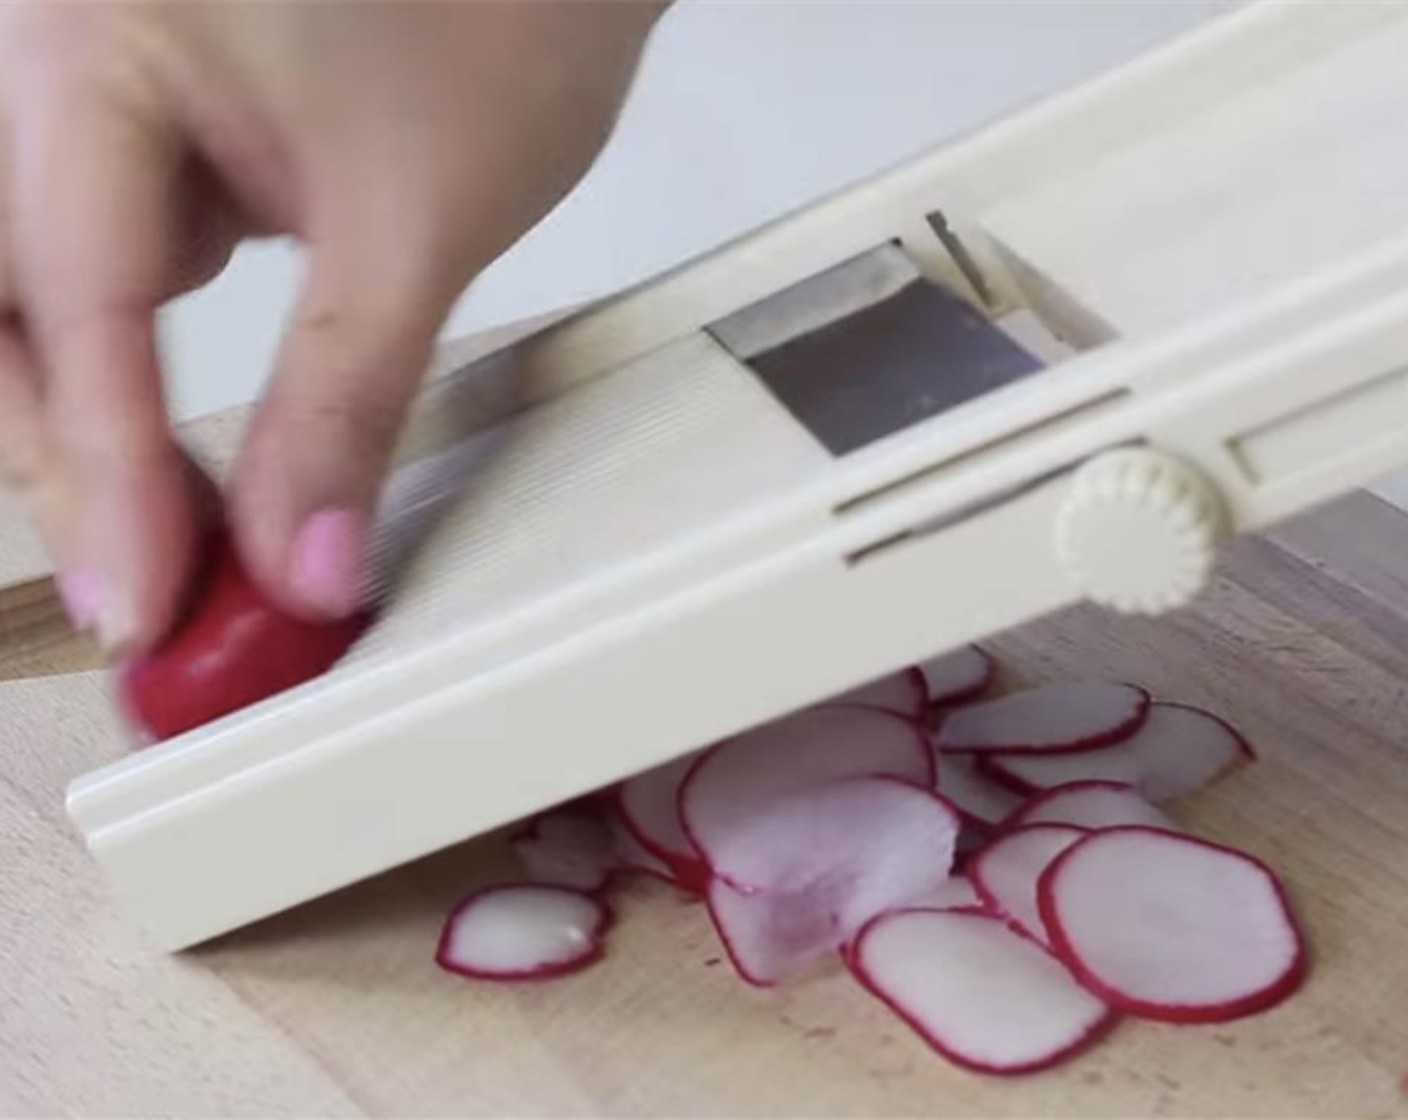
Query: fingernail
x,y
328,561
93,610
82,596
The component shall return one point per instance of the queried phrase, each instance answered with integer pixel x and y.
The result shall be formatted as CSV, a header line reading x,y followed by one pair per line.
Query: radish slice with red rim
x,y
1005,873
765,941
1089,805
566,848
903,693
1170,927
1027,774
1176,751
1181,749
649,808
632,855
523,931
954,893
732,785
981,995
984,803
819,863
961,675
1069,716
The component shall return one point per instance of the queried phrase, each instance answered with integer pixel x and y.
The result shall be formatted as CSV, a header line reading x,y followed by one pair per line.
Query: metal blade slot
x,y
869,348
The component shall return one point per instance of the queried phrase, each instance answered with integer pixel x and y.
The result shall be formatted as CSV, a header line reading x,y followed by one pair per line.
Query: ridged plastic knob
x,y
1139,531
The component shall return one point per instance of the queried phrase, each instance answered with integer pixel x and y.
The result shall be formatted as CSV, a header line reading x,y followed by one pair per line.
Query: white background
x,y
741,112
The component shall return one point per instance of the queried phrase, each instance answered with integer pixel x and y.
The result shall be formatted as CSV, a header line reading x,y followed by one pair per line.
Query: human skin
x,y
406,145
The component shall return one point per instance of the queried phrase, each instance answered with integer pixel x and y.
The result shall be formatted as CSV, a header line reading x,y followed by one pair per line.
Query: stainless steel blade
x,y
870,347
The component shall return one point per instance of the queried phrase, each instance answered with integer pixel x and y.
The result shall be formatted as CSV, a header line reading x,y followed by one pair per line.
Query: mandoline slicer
x,y
1058,359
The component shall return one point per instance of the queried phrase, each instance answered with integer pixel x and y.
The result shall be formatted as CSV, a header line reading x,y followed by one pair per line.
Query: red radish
x,y
958,676
632,855
1177,751
954,893
1182,748
1026,774
733,785
1070,716
1171,927
983,803
523,931
981,995
568,849
233,649
903,692
649,805
1088,805
819,864
1005,873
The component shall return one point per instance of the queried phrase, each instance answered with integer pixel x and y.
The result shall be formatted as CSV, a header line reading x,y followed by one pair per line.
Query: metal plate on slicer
x,y
870,347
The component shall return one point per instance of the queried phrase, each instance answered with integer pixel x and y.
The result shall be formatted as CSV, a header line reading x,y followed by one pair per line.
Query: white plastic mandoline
x,y
653,554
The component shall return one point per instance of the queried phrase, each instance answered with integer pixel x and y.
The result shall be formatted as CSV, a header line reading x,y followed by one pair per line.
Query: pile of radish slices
x,y
999,872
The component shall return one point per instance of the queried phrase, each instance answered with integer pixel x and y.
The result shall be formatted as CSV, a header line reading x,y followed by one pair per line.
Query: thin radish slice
x,y
1176,751
649,807
731,787
568,849
1089,805
984,803
1181,749
954,893
632,855
1005,873
1026,774
823,862
765,941
958,676
523,931
981,995
1069,716
904,693
1171,927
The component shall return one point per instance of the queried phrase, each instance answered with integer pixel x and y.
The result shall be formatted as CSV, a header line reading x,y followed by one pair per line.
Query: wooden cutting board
x,y
336,1009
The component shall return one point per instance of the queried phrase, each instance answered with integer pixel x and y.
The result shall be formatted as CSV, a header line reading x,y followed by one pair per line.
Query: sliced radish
x,y
958,676
1181,749
820,863
978,993
1026,774
632,855
1089,805
1171,927
568,849
523,931
904,693
1175,752
1070,716
1005,873
649,806
984,803
954,893
731,788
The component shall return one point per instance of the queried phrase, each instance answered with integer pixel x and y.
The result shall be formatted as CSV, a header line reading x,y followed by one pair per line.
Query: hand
x,y
405,144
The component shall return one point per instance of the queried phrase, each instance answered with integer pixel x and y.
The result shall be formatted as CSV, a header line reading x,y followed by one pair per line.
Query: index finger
x,y
92,226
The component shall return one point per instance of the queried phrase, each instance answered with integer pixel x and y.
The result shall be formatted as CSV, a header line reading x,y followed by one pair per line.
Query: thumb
x,y
321,442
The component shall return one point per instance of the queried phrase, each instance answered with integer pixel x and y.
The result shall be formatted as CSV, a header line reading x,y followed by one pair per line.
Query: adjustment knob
x,y
1139,531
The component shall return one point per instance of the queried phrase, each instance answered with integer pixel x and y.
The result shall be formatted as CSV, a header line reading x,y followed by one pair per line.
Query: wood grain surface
x,y
336,1009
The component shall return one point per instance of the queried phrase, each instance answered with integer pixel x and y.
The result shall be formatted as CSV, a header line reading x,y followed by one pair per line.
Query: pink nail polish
x,y
327,566
82,595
